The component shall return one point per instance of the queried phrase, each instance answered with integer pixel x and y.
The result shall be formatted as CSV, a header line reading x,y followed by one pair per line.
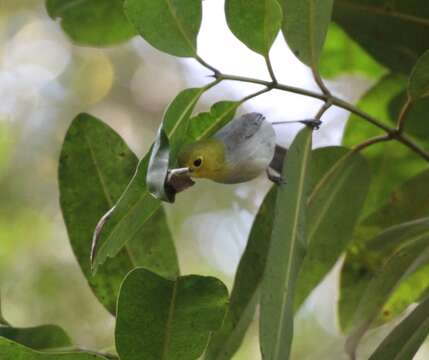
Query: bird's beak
x,y
180,171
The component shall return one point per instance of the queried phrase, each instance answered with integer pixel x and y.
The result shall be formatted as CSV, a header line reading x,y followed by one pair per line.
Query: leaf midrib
x,y
168,324
180,27
294,239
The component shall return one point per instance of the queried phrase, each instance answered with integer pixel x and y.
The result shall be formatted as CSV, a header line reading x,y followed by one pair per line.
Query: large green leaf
x,y
95,167
408,203
286,253
334,207
400,265
419,81
136,205
10,350
395,33
256,23
92,22
341,55
38,337
164,319
245,293
171,26
305,24
407,337
383,157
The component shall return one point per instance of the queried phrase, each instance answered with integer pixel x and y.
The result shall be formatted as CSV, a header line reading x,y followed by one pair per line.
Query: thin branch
x,y
270,68
403,115
372,141
393,133
260,92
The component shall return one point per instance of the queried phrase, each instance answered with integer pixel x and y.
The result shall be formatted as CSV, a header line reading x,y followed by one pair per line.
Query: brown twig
x,y
329,100
403,115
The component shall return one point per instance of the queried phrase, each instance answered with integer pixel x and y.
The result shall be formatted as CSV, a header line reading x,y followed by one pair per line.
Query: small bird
x,y
240,151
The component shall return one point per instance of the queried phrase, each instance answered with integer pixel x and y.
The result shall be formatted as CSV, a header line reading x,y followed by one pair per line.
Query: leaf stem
x,y
372,141
403,115
215,71
320,83
270,68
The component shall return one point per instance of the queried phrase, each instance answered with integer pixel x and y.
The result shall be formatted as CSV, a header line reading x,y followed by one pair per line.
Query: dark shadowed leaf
x,y
10,350
92,22
406,338
334,207
397,268
408,203
136,205
341,55
169,25
384,157
305,24
38,337
95,167
245,293
395,33
256,23
286,252
418,87
164,319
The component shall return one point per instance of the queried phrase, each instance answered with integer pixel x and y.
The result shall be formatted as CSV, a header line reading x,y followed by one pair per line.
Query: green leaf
x,y
245,293
418,86
408,203
341,55
334,207
164,319
130,212
158,167
254,22
38,337
400,265
305,24
10,350
407,337
136,205
171,26
395,33
286,253
95,167
384,157
92,22
206,124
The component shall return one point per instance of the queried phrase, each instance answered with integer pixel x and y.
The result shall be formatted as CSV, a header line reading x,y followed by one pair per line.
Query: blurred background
x,y
45,81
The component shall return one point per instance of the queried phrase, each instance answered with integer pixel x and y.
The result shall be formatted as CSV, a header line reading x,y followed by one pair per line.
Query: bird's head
x,y
204,159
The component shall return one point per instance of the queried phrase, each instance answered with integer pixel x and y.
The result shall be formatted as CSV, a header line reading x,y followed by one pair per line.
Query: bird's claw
x,y
313,123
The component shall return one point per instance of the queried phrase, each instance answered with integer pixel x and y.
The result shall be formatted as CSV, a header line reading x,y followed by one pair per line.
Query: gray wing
x,y
250,142
240,129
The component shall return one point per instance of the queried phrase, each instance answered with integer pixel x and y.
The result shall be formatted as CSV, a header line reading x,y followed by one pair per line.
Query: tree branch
x,y
393,133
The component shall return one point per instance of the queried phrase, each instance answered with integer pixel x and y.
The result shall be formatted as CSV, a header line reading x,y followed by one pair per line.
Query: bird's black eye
x,y
197,162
